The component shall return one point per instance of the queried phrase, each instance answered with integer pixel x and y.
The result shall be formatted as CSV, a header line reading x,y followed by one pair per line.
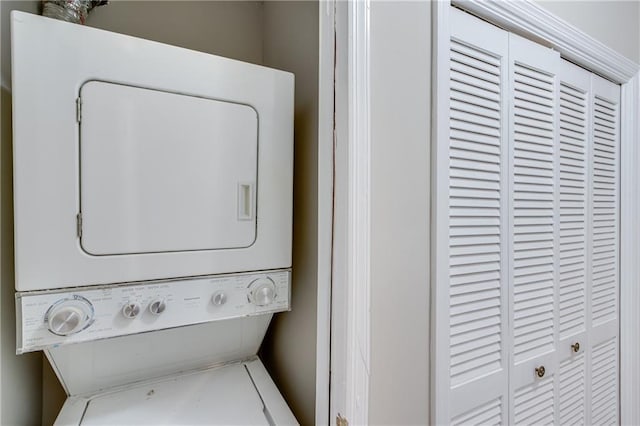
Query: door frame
x,y
527,19
350,274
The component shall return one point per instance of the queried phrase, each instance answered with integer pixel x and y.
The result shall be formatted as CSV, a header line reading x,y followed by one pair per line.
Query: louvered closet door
x,y
588,379
527,235
534,218
603,246
471,349
574,275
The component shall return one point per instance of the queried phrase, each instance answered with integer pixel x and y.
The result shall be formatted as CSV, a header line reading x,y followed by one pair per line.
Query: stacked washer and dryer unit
x,y
153,205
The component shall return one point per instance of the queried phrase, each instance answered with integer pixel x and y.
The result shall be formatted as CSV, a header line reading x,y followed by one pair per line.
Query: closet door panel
x,y
527,235
534,223
471,310
604,161
573,278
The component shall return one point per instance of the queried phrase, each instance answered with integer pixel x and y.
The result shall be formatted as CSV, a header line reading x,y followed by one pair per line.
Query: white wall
x,y
614,23
400,113
400,78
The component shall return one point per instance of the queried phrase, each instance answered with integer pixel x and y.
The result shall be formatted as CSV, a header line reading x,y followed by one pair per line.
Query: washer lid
x,y
91,367
225,396
165,172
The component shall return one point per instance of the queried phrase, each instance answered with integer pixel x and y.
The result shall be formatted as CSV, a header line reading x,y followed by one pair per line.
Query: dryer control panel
x,y
83,314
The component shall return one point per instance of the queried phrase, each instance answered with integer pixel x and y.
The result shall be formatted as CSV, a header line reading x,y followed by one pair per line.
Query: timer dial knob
x,y
131,310
262,292
219,298
69,316
157,306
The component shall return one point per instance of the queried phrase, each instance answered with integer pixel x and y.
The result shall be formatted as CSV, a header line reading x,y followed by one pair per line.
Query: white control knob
x,y
157,306
130,310
69,316
219,298
262,292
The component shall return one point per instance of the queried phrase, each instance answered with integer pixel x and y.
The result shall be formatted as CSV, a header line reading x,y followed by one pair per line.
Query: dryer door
x,y
164,172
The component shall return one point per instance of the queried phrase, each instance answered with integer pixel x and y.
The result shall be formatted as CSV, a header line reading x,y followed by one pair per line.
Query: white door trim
x,y
350,337
532,21
439,204
358,235
629,249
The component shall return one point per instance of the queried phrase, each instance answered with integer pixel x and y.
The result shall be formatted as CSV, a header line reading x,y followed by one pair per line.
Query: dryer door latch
x,y
79,109
79,225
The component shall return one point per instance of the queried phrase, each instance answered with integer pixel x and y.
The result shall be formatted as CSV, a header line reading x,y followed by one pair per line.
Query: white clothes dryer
x,y
153,221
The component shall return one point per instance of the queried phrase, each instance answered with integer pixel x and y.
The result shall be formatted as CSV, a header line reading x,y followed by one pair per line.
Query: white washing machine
x,y
153,213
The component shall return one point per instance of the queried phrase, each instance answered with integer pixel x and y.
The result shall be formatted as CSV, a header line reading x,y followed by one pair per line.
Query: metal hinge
x,y
79,225
79,109
341,421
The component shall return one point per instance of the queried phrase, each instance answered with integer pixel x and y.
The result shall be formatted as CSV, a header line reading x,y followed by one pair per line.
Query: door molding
x,y
351,280
532,21
358,217
629,249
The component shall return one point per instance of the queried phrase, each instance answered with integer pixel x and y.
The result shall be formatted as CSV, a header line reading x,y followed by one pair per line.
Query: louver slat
x,y
474,239
533,213
604,207
572,139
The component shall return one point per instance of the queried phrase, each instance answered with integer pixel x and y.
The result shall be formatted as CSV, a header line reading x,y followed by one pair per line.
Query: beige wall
x,y
227,28
6,6
614,23
291,43
400,110
20,376
279,34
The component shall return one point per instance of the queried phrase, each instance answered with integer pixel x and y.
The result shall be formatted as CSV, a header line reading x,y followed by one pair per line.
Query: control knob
x,y
262,292
157,306
69,316
131,310
219,298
